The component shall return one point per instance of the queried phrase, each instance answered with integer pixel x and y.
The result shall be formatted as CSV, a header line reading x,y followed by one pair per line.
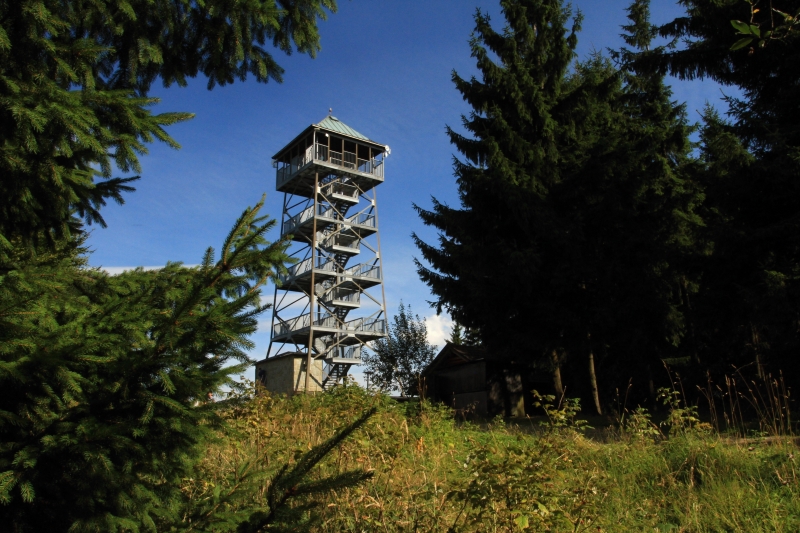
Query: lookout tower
x,y
331,303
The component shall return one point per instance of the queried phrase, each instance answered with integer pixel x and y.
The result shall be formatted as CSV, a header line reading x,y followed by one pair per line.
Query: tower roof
x,y
335,125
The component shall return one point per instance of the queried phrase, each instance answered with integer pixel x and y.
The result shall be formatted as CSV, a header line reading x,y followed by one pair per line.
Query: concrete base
x,y
286,374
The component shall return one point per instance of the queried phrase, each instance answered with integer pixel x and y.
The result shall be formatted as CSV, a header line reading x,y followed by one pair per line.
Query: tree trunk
x,y
593,383
651,383
557,384
756,348
690,322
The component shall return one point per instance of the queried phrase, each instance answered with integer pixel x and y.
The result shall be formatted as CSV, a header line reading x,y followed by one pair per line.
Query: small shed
x,y
467,379
286,373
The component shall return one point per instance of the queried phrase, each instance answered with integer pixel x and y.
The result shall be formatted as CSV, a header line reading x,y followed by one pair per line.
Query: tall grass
x,y
434,474
745,406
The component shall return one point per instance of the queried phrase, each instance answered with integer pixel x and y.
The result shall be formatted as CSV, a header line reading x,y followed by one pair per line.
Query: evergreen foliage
x,y
104,380
74,82
576,216
399,358
457,334
472,337
292,483
748,306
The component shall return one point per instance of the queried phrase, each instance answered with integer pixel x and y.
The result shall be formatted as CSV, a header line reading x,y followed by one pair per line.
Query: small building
x,y
286,373
469,380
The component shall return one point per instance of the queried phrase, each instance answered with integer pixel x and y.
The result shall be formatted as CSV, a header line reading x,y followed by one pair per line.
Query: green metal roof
x,y
335,125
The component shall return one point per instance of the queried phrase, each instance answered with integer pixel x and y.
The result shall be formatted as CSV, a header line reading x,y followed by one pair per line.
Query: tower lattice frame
x,y
331,303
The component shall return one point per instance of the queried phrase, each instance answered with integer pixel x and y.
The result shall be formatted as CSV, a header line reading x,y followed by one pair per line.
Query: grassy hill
x,y
433,473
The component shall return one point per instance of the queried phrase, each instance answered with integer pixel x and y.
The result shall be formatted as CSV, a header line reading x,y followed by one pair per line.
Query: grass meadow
x,y
432,472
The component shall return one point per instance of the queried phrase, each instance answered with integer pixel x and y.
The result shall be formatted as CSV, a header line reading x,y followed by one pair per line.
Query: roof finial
x,y
330,111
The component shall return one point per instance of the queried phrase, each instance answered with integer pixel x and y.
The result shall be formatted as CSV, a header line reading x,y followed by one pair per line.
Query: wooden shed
x,y
469,380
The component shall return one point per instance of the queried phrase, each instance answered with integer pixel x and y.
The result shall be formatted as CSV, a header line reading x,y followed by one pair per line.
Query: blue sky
x,y
385,69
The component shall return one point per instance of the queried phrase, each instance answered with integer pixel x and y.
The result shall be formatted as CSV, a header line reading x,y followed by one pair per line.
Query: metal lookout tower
x,y
332,302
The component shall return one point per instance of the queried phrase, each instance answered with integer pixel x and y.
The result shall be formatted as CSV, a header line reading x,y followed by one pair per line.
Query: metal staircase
x,y
330,303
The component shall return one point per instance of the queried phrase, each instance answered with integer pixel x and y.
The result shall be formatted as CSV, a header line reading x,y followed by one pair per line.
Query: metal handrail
x,y
305,266
320,152
327,211
362,219
326,320
337,240
342,295
341,189
295,164
351,352
307,214
364,270
364,324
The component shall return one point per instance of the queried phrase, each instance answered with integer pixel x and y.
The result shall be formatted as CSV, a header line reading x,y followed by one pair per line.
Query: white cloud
x,y
439,328
114,271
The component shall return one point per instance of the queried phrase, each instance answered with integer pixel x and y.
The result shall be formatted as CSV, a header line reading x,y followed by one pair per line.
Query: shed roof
x,y
454,355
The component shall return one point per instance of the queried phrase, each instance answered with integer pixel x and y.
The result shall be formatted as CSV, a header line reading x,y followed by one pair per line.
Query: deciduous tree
x,y
398,359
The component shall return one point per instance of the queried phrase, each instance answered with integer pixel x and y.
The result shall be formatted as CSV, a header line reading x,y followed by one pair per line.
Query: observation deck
x,y
329,147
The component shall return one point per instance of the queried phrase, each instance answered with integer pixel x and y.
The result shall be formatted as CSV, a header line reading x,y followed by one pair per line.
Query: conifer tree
x,y
74,82
747,307
510,163
472,337
575,216
457,334
104,379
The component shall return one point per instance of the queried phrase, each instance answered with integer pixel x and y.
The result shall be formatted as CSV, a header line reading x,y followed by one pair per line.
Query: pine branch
x,y
289,484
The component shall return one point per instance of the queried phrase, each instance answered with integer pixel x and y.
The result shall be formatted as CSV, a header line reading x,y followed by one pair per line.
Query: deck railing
x,y
351,352
364,270
326,320
305,215
305,266
291,224
340,241
342,295
320,152
341,189
362,219
368,325
323,320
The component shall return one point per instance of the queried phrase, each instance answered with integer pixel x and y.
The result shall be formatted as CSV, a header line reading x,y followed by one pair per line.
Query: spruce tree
x,y
104,380
74,82
575,217
748,305
457,334
488,270
641,224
